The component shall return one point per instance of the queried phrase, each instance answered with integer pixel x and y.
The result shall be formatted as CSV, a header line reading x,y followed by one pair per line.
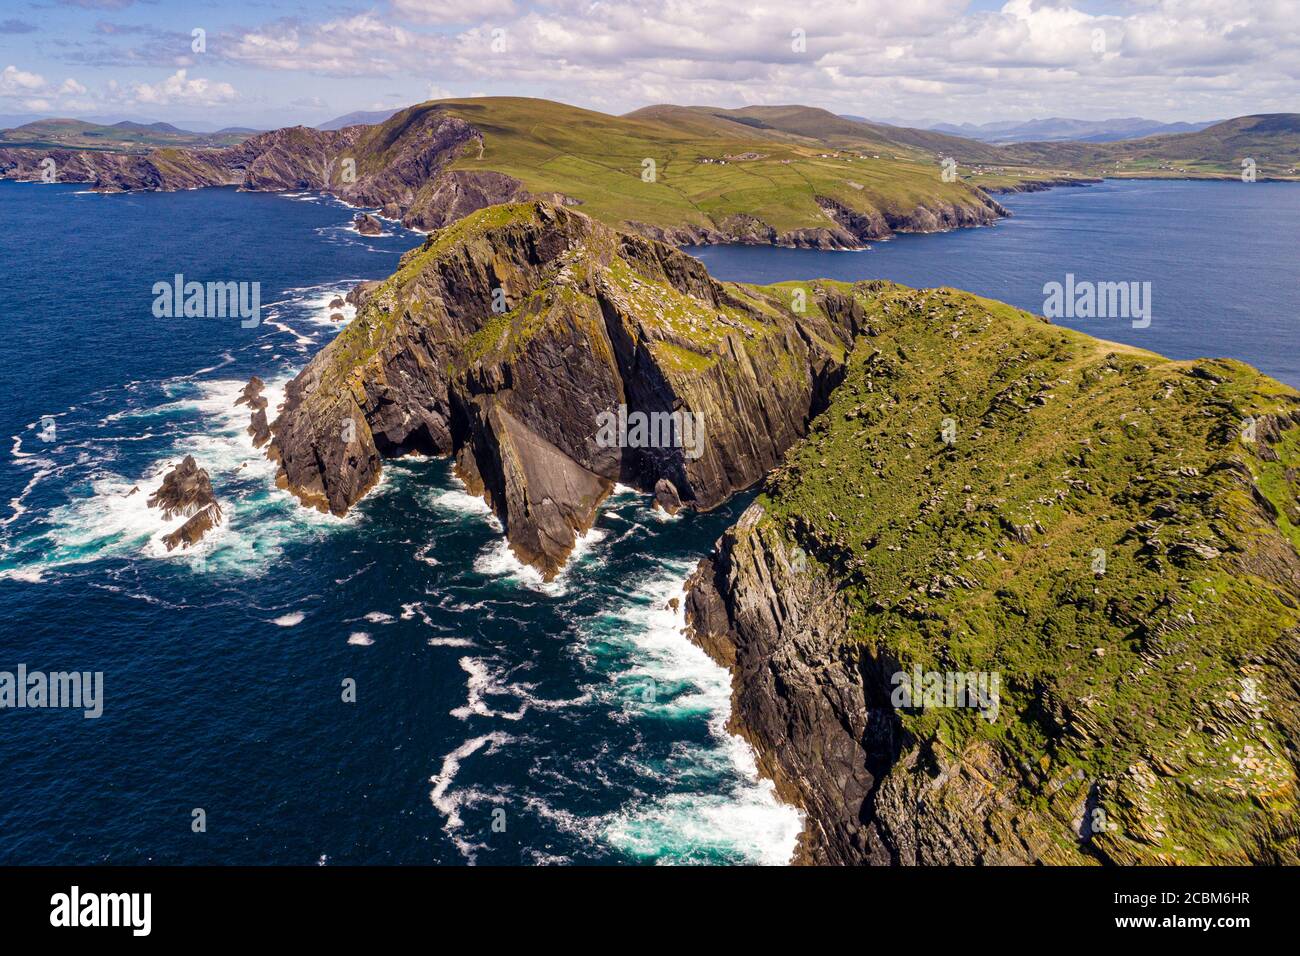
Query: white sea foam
x,y
704,828
298,337
28,575
448,801
461,501
485,679
289,620
482,680
360,639
735,817
316,304
258,519
498,561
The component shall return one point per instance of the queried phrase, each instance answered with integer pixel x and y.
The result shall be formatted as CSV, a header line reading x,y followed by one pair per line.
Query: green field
x,y
599,159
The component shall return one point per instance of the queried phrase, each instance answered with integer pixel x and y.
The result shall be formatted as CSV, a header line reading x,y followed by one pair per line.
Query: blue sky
x,y
267,63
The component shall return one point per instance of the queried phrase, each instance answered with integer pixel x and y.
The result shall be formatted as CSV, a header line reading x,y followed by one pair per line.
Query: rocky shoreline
x,y
506,337
1042,185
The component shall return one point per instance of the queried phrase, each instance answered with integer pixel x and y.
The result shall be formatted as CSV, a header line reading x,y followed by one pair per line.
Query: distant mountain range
x,y
359,118
1055,129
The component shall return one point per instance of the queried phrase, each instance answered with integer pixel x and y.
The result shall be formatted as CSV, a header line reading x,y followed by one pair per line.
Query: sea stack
x,y
258,427
187,490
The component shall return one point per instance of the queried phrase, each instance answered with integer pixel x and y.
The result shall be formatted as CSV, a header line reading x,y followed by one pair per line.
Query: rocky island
x,y
367,224
187,490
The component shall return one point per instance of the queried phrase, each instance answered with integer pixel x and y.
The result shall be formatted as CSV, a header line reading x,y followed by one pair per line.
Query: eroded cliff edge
x,y
506,337
1113,534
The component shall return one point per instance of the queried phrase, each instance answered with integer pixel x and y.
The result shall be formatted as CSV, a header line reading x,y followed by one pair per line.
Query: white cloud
x,y
362,45
180,89
924,58
14,81
452,11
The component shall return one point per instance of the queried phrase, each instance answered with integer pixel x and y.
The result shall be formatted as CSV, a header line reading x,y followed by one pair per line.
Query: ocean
x,y
1220,258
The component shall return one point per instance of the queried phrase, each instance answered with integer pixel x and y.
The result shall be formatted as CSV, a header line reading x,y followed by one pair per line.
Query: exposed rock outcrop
x,y
252,396
532,343
666,496
187,490
367,224
296,158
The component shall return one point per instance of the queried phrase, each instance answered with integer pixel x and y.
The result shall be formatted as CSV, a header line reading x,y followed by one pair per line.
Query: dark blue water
x,y
497,719
1220,257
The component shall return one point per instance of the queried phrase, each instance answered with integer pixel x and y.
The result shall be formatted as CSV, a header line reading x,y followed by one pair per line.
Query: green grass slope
x,y
1105,532
598,159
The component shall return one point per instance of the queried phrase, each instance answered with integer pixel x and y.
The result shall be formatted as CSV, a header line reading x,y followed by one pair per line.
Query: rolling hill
x,y
687,177
123,136
788,175
1271,139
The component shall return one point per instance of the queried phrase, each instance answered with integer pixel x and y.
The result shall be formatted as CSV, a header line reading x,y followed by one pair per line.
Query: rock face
x,y
367,224
553,357
799,691
187,490
1100,528
342,162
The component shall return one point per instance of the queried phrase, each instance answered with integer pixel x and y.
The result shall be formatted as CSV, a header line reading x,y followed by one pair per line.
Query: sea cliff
x,y
1105,538
1112,534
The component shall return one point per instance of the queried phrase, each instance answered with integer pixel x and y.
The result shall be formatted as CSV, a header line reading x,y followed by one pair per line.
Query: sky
x,y
268,63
